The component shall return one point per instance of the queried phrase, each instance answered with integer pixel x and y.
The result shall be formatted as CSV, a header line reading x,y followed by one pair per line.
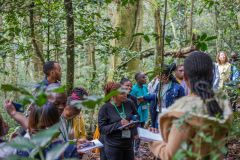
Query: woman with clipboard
x,y
113,115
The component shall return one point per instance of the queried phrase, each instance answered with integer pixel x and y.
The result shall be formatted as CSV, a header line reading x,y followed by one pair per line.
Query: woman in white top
x,y
224,68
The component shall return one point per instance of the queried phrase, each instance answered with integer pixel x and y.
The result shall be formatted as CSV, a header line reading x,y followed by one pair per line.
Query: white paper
x,y
97,143
148,136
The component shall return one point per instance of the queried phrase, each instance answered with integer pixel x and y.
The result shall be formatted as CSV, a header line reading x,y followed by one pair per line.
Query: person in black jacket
x,y
119,111
127,84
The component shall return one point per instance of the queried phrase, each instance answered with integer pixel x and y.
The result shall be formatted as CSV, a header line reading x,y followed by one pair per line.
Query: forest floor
x,y
233,149
145,154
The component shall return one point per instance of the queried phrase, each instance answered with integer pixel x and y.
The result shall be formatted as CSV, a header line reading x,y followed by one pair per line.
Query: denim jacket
x,y
174,92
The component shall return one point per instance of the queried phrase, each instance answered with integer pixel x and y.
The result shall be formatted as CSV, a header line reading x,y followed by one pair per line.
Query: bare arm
x,y
17,116
166,150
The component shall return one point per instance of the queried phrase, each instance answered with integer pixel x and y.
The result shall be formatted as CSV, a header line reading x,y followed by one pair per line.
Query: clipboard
x,y
129,124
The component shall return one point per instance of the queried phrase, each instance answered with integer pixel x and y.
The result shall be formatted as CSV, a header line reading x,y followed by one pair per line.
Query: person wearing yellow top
x,y
79,130
224,68
76,125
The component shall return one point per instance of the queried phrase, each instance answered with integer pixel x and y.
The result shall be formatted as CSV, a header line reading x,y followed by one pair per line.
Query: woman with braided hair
x,y
117,112
194,117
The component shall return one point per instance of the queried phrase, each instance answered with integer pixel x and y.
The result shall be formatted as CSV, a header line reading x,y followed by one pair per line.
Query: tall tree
x,y
38,57
159,40
33,35
70,44
129,18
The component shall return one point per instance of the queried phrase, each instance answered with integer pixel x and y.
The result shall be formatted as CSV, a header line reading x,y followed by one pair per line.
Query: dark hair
x,y
49,115
137,75
168,69
78,93
198,68
110,86
48,66
34,119
123,80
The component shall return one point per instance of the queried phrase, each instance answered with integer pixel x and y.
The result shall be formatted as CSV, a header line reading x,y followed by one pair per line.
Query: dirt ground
x,y
145,154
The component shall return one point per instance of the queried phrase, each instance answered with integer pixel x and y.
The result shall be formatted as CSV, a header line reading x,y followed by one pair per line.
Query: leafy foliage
x,y
36,145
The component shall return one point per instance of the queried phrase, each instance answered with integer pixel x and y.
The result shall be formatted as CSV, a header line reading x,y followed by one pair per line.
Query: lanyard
x,y
121,114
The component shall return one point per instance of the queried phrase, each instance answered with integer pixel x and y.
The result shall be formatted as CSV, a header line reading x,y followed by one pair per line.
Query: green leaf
x,y
55,152
41,99
146,38
60,89
21,143
108,1
138,34
110,95
203,36
44,137
204,47
10,88
211,38
92,101
168,39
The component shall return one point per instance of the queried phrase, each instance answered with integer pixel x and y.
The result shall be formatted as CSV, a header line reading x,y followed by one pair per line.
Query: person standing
x,y
139,90
119,111
235,73
192,117
179,72
127,84
171,90
224,68
52,72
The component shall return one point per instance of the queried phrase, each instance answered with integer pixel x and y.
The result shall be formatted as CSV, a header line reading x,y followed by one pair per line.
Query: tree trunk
x,y
129,19
173,28
48,31
191,23
159,42
238,19
186,19
136,43
91,59
57,42
70,44
36,47
217,32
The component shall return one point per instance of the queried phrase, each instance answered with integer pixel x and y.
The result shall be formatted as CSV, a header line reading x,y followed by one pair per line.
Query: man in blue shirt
x,y
52,72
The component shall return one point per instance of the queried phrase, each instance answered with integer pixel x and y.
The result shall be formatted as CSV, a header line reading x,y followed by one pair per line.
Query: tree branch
x,y
182,53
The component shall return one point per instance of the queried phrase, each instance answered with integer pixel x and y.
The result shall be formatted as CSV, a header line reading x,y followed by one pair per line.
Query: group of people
x,y
180,101
58,109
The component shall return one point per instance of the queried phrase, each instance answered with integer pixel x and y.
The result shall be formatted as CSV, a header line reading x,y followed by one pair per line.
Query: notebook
x,y
91,145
